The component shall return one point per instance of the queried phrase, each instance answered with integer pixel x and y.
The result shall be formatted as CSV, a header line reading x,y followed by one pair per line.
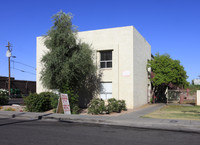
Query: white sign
x,y
126,73
65,103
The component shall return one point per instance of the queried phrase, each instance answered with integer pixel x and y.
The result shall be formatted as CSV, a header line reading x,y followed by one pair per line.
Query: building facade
x,y
121,54
24,87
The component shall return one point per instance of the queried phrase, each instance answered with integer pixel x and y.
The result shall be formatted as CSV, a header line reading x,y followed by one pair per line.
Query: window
x,y
106,91
106,59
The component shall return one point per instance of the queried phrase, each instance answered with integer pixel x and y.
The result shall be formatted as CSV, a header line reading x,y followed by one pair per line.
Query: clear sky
x,y
170,26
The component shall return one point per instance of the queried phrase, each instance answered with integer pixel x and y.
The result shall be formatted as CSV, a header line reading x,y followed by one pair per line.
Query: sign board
x,y
63,104
126,73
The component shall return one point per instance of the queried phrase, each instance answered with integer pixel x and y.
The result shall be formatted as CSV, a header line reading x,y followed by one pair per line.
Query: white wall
x,y
41,50
198,98
142,52
120,41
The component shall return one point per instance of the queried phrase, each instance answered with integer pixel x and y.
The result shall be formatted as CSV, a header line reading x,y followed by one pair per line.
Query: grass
x,y
176,112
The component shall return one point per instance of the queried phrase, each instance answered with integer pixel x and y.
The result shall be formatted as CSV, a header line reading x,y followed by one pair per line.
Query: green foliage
x,y
40,102
68,61
75,109
122,104
4,97
61,43
167,71
115,105
54,100
193,89
73,100
96,106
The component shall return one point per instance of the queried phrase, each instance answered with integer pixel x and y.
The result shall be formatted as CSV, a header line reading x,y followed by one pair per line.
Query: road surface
x,y
36,132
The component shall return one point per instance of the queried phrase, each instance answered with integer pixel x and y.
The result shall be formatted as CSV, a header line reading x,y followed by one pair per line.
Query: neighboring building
x,y
122,55
22,86
196,81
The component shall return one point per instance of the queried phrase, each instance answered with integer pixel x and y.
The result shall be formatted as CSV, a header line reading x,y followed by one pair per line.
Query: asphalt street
x,y
36,132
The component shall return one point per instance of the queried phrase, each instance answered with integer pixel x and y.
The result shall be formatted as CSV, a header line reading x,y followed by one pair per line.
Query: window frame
x,y
106,92
106,61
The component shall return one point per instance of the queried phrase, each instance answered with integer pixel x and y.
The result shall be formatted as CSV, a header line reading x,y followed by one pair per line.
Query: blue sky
x,y
170,26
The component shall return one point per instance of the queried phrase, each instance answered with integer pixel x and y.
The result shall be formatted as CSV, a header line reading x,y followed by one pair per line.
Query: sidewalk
x,y
132,119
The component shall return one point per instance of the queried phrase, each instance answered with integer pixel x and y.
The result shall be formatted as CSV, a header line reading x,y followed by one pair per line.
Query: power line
x,y
23,64
24,71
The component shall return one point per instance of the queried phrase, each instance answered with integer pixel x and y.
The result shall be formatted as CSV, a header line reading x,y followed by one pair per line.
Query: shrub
x,y
96,106
54,100
75,109
122,105
40,102
73,100
4,97
115,105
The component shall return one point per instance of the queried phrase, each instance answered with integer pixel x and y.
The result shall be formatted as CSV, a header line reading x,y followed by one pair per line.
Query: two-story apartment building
x,y
122,55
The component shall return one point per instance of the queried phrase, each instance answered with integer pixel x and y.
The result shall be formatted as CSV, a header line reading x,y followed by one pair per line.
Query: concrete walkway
x,y
132,119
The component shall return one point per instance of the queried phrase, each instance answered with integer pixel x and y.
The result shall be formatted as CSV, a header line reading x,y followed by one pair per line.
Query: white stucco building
x,y
196,81
121,54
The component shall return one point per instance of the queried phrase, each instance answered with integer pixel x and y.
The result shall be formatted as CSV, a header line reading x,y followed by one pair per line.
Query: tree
x,y
166,72
68,64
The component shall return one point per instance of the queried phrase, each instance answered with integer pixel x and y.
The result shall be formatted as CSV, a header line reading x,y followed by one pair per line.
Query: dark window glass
x,y
109,55
103,64
103,56
106,55
109,64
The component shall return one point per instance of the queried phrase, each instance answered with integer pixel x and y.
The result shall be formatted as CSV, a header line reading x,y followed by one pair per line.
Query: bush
x,y
122,105
96,106
75,109
4,97
73,100
54,100
115,105
41,102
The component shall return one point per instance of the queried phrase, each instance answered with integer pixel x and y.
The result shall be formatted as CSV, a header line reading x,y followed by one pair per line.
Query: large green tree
x,y
167,71
68,63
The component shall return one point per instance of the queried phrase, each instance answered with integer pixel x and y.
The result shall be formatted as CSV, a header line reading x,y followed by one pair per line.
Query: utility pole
x,y
8,54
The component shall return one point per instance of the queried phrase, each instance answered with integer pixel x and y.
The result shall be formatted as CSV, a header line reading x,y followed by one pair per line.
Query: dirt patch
x,y
14,107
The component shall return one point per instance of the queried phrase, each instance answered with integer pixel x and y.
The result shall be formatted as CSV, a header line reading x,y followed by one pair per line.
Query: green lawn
x,y
176,112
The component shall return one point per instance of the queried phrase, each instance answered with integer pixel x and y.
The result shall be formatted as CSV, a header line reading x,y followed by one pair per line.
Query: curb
x,y
69,119
152,126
